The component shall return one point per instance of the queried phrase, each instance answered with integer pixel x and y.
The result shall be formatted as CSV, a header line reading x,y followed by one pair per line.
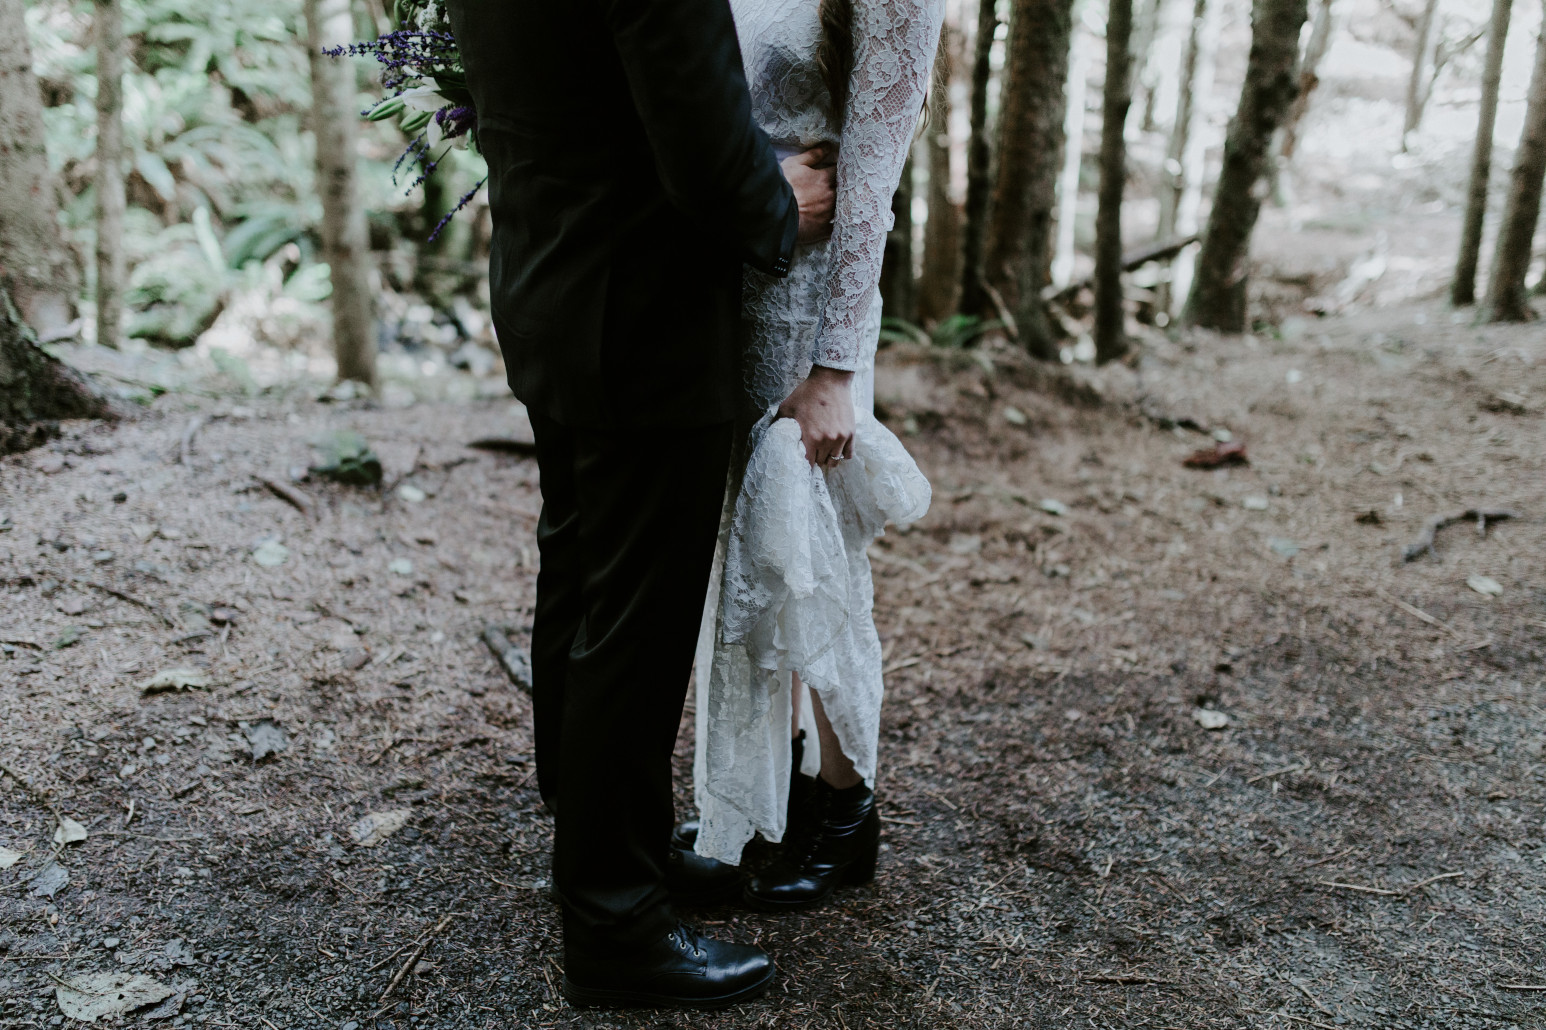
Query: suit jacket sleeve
x,y
683,64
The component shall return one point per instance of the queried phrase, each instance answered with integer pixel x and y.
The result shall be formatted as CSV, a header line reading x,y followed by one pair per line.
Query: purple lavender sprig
x,y
407,57
419,69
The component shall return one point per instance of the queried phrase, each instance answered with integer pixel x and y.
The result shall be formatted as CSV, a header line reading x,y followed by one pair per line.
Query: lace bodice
x,y
894,44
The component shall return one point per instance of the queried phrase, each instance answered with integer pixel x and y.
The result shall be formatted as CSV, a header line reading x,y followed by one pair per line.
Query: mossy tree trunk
x,y
1219,292
36,389
979,165
1507,298
110,183
1110,311
35,262
942,231
345,245
1462,291
1019,248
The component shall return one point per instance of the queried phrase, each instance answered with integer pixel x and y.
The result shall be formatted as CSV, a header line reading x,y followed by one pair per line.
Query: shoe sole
x,y
607,998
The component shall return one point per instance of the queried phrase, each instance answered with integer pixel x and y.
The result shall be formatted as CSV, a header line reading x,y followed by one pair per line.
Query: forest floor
x,y
1065,844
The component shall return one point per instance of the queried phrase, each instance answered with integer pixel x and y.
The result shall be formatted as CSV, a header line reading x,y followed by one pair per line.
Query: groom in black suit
x,y
628,184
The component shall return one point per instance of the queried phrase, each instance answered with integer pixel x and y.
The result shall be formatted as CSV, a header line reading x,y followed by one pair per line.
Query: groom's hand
x,y
813,175
823,405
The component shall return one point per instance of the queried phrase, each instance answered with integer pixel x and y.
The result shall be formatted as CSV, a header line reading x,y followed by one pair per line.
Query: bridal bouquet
x,y
421,72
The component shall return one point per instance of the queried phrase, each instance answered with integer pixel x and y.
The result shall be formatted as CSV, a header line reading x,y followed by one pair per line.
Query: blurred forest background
x,y
1091,173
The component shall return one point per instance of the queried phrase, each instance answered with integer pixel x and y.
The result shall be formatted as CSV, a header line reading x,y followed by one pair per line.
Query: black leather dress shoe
x,y
698,882
684,969
685,835
835,843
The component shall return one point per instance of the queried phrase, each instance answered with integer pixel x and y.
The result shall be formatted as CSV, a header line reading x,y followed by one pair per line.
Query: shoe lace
x,y
686,940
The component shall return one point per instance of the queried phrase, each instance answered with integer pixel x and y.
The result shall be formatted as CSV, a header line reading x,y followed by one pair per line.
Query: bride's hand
x,y
823,406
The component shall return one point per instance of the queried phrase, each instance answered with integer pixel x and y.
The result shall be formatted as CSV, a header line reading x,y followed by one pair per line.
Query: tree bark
x,y
1219,292
1110,311
1064,247
942,231
110,187
979,161
1146,23
1415,95
1019,247
1463,290
36,389
345,245
1186,155
41,270
1309,77
1507,298
898,288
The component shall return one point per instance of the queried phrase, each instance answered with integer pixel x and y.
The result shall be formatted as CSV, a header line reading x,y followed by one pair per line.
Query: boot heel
x,y
862,871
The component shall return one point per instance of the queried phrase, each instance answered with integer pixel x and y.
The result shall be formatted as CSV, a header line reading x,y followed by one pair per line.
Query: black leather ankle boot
x,y
685,835
835,843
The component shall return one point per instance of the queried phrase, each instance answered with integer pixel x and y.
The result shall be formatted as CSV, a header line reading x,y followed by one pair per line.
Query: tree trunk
x,y
1110,311
344,241
942,231
1019,247
110,188
40,269
1146,23
1309,78
1219,293
1064,248
1507,299
1463,290
1415,95
979,160
36,389
1186,156
898,289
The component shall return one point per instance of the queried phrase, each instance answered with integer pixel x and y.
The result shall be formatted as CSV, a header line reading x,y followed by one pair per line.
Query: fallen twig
x,y
1328,858
414,956
1359,887
1131,262
1301,767
1522,987
505,445
1424,542
1417,613
289,495
514,660
127,599
185,449
31,788
1408,889
1107,978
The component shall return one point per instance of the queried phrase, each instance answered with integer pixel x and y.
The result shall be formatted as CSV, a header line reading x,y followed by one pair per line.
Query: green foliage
x,y
345,457
953,333
216,99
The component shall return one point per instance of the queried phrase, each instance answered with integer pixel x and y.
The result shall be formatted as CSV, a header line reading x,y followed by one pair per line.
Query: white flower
x,y
422,98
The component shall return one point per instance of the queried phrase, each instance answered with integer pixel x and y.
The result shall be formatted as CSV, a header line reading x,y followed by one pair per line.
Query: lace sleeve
x,y
894,44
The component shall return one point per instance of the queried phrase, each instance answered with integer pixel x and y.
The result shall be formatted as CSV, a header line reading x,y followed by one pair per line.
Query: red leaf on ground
x,y
1220,454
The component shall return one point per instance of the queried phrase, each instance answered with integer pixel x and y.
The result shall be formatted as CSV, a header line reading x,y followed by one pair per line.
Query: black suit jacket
x,y
628,183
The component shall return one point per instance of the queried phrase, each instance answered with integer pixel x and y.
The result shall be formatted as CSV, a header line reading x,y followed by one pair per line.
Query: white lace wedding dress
x,y
794,592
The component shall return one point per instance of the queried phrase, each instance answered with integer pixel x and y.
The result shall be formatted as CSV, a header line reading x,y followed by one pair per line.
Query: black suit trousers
x,y
627,539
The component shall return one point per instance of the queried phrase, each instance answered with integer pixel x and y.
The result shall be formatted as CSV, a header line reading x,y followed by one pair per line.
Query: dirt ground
x,y
1065,844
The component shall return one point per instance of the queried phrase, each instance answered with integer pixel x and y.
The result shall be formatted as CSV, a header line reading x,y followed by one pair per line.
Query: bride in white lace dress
x,y
790,616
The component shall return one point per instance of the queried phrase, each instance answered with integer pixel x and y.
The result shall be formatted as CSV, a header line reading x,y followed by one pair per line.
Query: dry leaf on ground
x,y
108,994
378,826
